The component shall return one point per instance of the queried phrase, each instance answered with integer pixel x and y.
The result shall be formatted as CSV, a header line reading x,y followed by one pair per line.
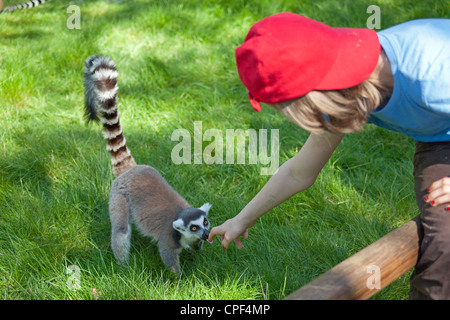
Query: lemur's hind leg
x,y
120,226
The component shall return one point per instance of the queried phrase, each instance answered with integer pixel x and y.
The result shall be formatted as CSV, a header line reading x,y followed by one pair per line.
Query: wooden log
x,y
368,271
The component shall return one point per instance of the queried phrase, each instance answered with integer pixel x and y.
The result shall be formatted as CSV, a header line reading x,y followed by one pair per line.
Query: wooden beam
x,y
368,271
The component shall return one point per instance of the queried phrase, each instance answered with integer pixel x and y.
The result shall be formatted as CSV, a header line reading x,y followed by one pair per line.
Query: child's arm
x,y
295,175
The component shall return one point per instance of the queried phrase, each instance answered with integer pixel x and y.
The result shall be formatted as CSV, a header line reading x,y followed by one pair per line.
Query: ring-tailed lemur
x,y
139,192
25,5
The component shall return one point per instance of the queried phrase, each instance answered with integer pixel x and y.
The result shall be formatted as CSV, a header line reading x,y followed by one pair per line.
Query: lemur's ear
x,y
178,225
205,208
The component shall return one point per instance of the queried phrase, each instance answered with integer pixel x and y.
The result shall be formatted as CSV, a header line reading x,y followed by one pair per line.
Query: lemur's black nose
x,y
205,235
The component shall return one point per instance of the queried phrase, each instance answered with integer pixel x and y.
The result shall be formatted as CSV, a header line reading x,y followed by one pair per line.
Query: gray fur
x,y
139,193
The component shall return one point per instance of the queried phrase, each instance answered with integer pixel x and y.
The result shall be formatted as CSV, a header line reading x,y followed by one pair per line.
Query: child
x,y
331,81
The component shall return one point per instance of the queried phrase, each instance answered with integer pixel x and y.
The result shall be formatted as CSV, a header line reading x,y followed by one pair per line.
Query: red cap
x,y
286,55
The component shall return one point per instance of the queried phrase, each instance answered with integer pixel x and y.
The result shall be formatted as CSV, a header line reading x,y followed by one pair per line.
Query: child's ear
x,y
205,208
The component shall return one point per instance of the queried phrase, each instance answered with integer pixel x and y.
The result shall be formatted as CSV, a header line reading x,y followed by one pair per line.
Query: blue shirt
x,y
419,53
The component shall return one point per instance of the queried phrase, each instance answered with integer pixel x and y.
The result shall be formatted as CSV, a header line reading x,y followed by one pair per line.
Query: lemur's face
x,y
195,229
193,223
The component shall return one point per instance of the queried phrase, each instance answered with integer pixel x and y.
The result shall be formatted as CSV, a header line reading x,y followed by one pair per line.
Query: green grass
x,y
176,64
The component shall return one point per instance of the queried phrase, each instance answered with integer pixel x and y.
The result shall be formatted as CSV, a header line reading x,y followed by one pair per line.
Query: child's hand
x,y
230,230
439,193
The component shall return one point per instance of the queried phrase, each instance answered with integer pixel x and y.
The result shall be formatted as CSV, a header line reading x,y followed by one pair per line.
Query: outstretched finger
x,y
214,232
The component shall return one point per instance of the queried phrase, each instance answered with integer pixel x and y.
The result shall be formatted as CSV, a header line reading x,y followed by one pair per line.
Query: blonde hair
x,y
338,111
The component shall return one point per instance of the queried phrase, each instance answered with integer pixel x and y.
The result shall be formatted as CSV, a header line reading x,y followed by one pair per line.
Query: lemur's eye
x,y
205,222
193,228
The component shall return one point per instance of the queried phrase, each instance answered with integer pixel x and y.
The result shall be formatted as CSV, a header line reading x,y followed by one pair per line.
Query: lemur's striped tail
x,y
100,89
25,5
